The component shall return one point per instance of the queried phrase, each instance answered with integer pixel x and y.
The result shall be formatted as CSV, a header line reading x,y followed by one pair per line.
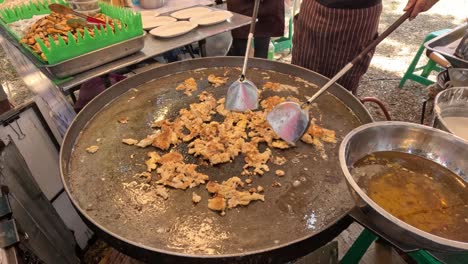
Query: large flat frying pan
x,y
292,221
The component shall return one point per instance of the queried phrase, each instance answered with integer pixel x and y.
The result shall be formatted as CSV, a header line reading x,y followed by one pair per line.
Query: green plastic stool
x,y
366,238
426,69
284,43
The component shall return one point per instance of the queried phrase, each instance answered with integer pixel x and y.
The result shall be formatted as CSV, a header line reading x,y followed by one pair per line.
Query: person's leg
x,y
261,45
238,47
89,90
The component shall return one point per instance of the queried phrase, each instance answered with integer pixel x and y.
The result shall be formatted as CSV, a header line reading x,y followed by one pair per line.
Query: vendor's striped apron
x,y
326,39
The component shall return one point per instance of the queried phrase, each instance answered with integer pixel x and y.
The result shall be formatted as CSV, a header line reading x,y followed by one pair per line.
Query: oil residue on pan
x,y
312,195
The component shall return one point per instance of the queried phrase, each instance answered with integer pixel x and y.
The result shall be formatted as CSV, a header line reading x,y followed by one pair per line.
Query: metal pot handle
x,y
439,59
379,103
360,217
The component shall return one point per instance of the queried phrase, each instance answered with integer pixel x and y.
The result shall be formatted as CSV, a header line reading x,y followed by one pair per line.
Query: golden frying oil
x,y
418,191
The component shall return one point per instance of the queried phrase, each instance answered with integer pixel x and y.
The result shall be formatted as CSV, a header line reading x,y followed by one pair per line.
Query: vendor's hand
x,y
419,6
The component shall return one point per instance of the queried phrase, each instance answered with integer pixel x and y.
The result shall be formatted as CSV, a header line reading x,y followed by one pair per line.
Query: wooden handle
x,y
439,59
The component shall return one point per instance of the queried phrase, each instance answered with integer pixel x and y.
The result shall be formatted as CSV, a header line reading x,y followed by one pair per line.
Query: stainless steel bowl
x,y
151,4
452,102
427,142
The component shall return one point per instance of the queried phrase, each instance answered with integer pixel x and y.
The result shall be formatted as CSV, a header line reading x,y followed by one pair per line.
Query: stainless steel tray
x,y
446,45
83,62
95,58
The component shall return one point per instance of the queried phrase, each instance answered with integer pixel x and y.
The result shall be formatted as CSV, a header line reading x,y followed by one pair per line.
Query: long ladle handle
x,y
363,53
439,59
250,37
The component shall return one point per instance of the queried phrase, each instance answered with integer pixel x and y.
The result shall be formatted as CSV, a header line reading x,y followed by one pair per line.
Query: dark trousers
x,y
261,45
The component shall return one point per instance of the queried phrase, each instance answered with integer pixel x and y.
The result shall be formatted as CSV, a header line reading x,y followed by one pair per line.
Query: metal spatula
x,y
242,95
290,120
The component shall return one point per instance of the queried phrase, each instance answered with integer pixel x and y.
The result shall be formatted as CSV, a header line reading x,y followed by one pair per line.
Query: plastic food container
x,y
151,4
86,6
90,12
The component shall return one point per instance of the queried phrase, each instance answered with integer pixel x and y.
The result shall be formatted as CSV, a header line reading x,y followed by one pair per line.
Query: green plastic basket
x,y
26,11
131,27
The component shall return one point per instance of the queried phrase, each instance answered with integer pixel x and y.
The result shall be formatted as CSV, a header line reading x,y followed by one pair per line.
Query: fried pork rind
x,y
147,175
123,120
316,134
227,196
218,141
188,86
54,26
272,86
171,157
146,141
279,160
167,135
175,173
196,198
279,173
165,138
151,162
277,87
217,203
270,102
217,81
261,131
92,149
155,158
321,133
220,108
255,159
130,141
162,191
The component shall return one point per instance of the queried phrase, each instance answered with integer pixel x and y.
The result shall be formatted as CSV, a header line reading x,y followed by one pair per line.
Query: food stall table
x,y
51,91
155,46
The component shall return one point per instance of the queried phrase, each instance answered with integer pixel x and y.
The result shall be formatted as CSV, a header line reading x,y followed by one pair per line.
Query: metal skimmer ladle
x,y
243,95
290,121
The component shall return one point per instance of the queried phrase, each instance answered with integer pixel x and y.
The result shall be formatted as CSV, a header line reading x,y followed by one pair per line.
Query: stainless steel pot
x,y
450,103
430,143
151,4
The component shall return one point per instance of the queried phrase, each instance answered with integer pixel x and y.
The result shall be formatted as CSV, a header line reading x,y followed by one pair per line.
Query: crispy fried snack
x,y
188,86
55,25
227,196
219,136
177,174
217,81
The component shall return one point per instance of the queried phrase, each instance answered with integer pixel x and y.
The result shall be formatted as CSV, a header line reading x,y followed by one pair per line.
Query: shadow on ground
x,y
404,104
